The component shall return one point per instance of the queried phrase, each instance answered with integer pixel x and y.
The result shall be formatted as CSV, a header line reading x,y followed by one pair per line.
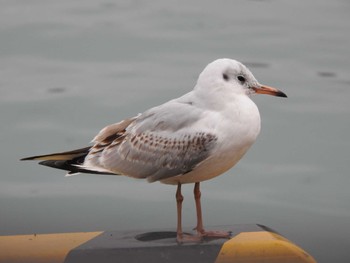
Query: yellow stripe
x,y
250,247
41,248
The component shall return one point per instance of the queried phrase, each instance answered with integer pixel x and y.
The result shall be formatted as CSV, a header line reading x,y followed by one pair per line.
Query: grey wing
x,y
152,146
155,156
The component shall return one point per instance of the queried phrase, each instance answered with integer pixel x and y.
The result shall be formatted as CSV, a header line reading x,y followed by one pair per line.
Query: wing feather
x,y
152,145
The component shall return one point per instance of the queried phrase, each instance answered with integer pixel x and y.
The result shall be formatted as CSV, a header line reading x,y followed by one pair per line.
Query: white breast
x,y
237,127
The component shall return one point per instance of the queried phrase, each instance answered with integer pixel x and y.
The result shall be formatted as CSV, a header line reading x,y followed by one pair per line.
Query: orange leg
x,y
179,200
182,237
199,227
197,197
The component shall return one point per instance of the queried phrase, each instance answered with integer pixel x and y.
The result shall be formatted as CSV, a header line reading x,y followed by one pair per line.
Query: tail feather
x,y
68,161
62,156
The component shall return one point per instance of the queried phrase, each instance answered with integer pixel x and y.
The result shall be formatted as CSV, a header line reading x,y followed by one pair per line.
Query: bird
x,y
186,140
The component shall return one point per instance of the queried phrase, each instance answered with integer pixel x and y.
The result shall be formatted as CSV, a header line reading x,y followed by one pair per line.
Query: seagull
x,y
190,139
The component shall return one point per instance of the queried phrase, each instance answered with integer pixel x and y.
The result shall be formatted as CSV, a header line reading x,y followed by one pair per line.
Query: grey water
x,y
68,68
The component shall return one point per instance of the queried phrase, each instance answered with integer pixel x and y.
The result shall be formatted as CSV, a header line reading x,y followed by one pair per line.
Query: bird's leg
x,y
179,199
182,237
199,227
197,198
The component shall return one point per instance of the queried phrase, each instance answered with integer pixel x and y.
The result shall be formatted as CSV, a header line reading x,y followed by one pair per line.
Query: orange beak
x,y
269,91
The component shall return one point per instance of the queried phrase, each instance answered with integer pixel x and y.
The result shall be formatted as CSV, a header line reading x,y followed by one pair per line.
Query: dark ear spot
x,y
225,77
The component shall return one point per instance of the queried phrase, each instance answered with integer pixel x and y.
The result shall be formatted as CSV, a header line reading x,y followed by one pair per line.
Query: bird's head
x,y
231,75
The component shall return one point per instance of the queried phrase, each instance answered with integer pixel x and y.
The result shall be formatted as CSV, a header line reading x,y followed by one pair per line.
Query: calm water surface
x,y
68,68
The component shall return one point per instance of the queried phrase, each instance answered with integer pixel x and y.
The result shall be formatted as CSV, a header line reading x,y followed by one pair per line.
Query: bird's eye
x,y
225,77
241,78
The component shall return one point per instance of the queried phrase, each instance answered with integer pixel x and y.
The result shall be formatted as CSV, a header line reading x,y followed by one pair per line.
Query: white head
x,y
233,77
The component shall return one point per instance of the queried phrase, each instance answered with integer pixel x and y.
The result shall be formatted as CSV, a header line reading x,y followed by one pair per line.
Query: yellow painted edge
x,y
262,246
41,248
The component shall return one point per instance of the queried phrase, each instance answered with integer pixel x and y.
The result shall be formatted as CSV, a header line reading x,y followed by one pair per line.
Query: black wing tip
x,y
28,158
77,152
